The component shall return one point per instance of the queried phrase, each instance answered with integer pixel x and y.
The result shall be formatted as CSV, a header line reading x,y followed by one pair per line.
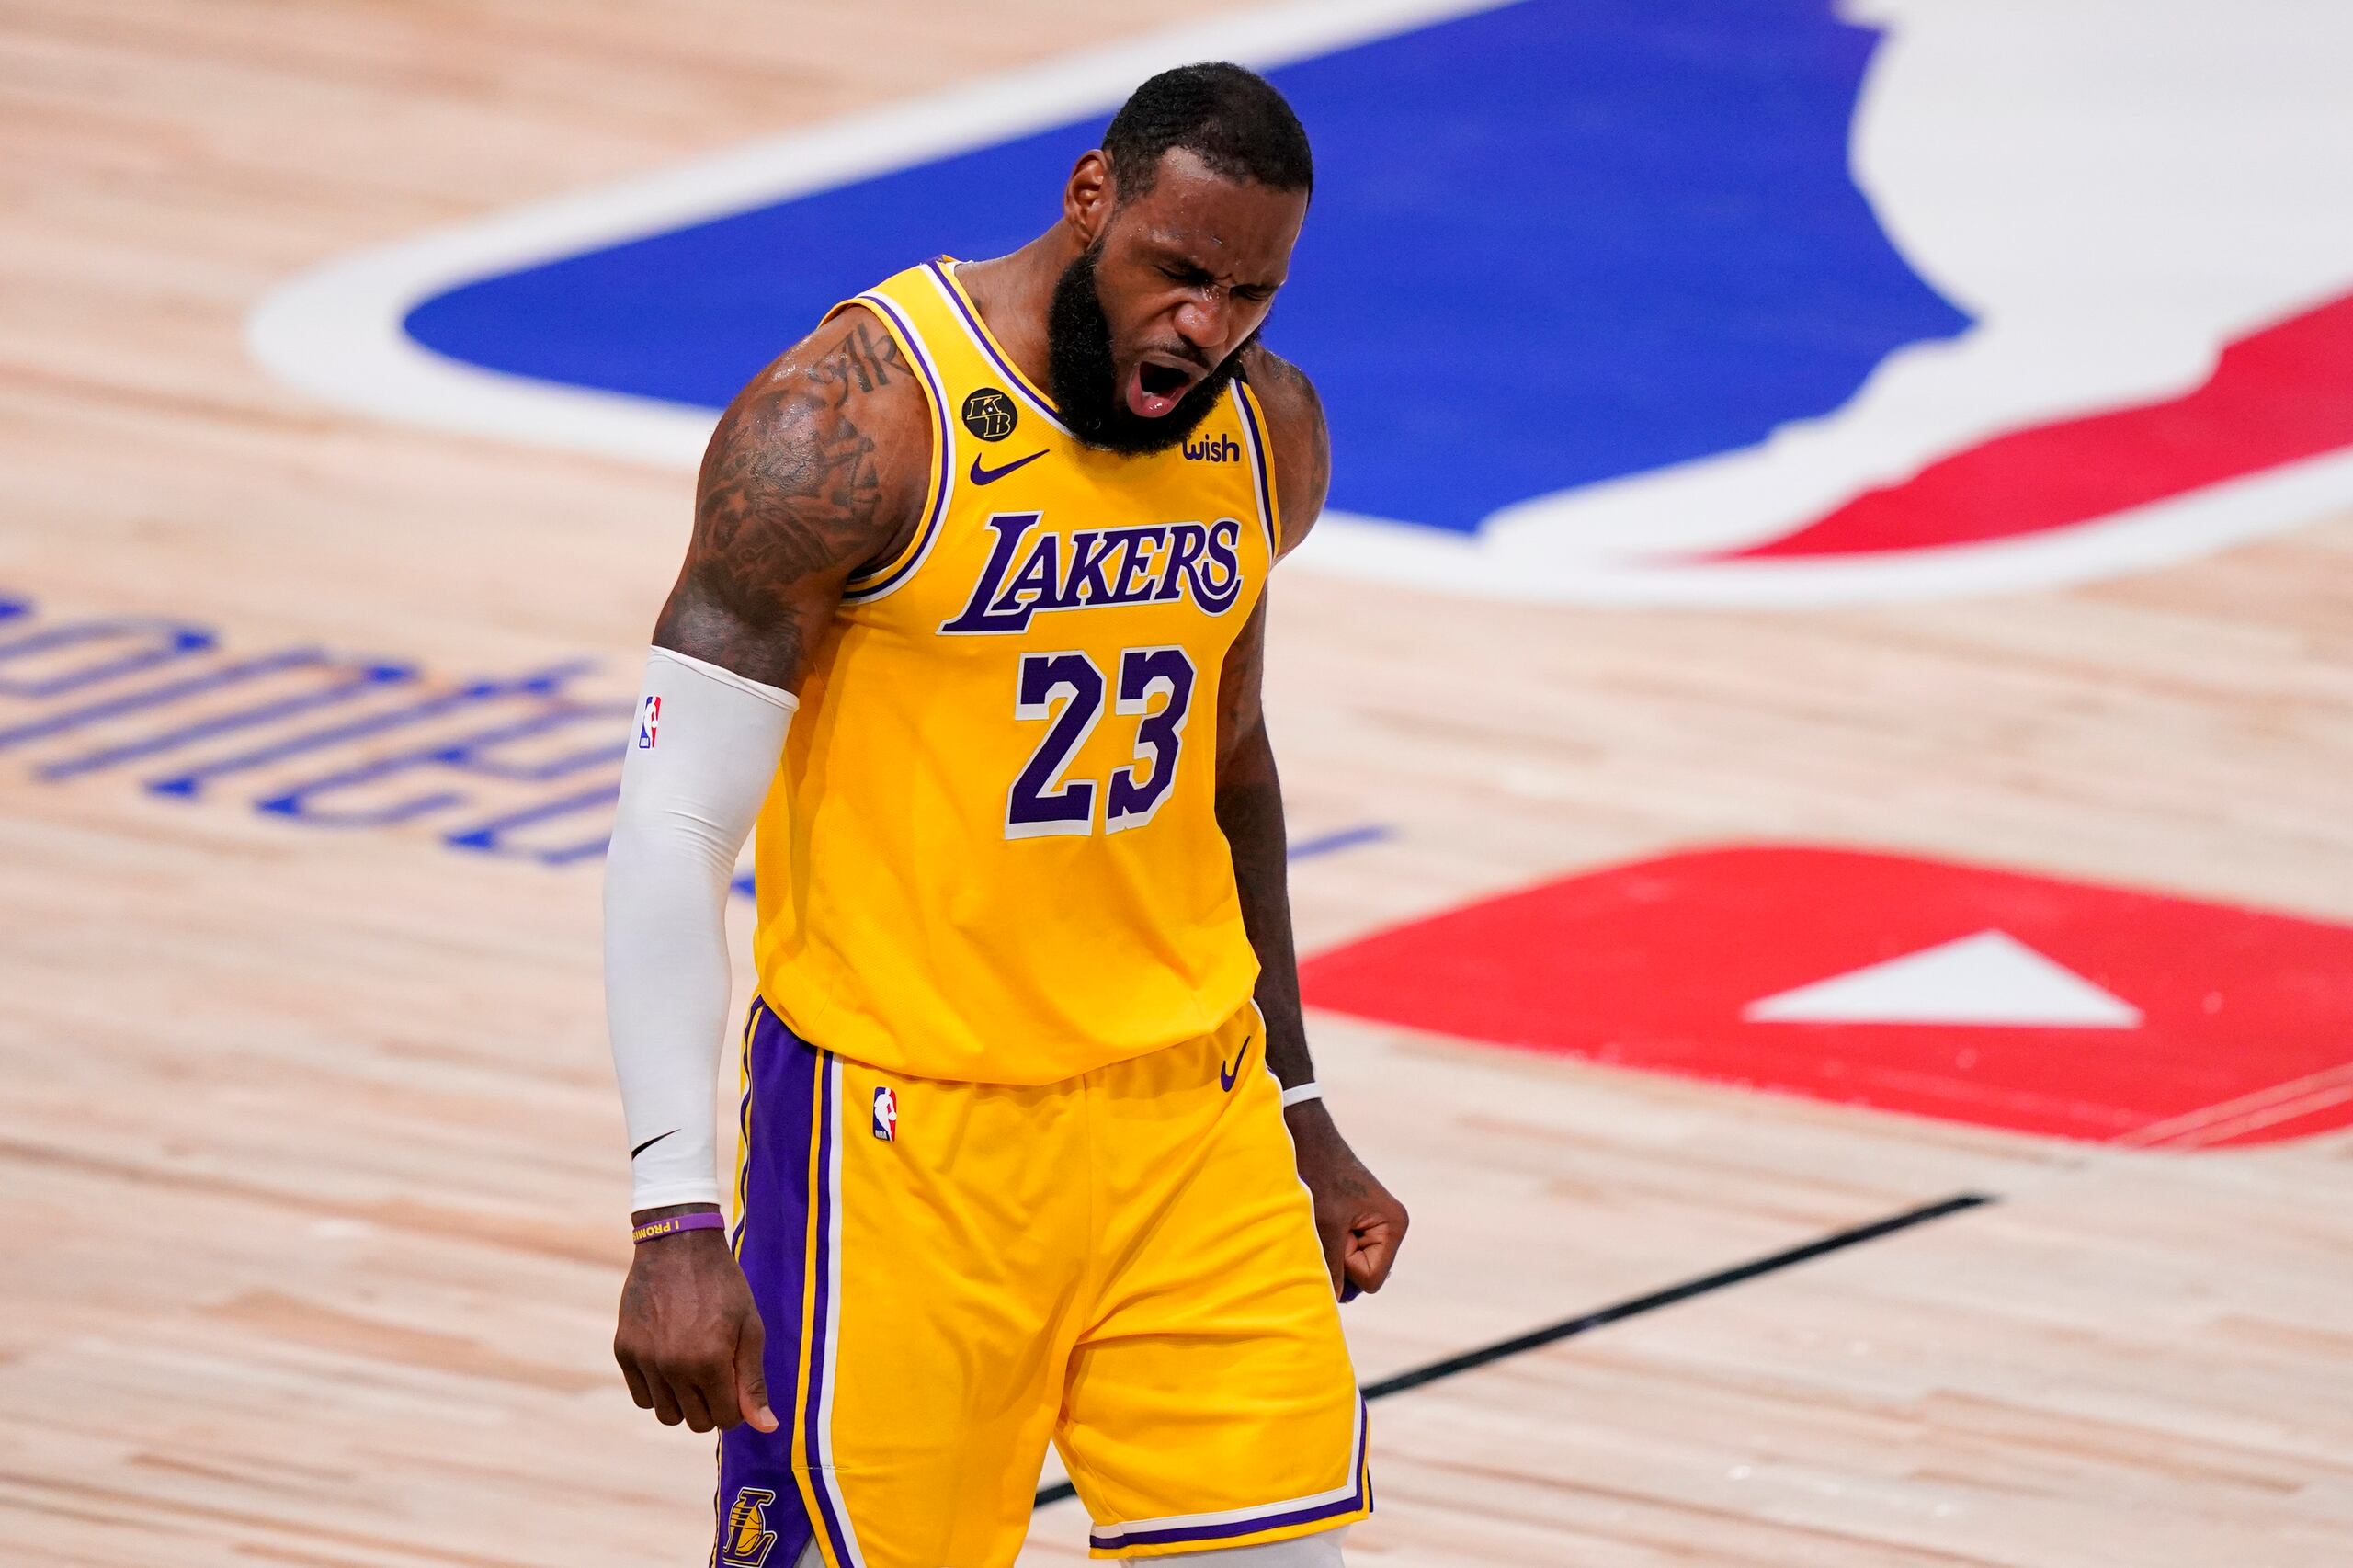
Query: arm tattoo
x,y
793,501
863,363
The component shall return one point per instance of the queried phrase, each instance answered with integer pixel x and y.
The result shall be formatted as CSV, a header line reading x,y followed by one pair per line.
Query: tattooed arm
x,y
815,471
1362,1224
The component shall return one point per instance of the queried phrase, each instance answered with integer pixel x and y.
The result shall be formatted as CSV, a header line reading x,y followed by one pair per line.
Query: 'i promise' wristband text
x,y
654,1229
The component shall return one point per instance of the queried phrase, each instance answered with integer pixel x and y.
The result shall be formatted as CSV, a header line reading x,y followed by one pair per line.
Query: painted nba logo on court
x,y
1822,343
886,1113
648,719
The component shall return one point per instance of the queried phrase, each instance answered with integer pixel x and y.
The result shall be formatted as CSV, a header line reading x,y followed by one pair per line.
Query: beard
x,y
1085,380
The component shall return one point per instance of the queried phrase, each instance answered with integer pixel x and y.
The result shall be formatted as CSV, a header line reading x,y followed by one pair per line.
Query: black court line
x,y
1739,1273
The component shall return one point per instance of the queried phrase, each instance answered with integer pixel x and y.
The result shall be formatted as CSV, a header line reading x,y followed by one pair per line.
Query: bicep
x,y
804,482
765,566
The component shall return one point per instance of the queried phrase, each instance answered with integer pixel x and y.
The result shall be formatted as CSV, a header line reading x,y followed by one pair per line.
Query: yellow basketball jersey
x,y
991,854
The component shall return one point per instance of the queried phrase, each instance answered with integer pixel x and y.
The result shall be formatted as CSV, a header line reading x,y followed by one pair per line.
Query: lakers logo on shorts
x,y
990,415
748,1539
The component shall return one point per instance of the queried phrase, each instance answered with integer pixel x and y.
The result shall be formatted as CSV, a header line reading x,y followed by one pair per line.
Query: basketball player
x,y
972,623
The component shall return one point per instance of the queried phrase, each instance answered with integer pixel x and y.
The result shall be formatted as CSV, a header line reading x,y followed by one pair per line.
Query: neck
x,y
1014,293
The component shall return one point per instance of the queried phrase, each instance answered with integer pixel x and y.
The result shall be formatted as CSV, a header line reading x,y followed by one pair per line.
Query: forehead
x,y
1226,226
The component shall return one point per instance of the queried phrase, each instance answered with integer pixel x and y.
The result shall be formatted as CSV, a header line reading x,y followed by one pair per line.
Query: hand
x,y
690,1337
1361,1223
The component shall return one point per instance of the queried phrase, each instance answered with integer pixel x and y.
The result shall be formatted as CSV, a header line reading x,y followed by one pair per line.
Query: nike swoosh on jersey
x,y
1225,1078
649,1143
991,476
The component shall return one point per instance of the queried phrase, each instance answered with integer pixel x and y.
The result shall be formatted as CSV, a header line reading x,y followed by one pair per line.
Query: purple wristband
x,y
656,1229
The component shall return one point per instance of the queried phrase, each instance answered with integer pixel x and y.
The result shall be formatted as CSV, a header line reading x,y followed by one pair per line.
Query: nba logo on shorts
x,y
886,1113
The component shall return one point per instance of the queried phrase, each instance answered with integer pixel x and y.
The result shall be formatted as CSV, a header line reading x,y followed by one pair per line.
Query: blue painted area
x,y
1552,244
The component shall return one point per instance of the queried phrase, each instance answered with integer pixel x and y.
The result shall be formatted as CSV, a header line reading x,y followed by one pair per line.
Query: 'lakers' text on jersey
x,y
991,853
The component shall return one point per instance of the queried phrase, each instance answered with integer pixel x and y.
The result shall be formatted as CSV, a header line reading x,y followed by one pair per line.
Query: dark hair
x,y
1231,118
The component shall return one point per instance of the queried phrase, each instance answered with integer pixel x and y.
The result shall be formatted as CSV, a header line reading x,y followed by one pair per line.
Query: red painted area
x,y
2245,1034
2280,394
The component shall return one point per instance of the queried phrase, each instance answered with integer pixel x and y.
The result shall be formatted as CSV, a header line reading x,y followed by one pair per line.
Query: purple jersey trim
x,y
944,482
979,335
1261,466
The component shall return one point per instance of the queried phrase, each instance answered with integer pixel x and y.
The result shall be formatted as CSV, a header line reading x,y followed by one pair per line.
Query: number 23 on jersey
x,y
1066,691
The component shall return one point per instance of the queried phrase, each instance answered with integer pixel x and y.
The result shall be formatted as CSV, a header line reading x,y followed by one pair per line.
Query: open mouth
x,y
1156,387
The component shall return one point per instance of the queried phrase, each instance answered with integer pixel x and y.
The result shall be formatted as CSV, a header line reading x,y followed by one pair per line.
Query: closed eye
x,y
1197,277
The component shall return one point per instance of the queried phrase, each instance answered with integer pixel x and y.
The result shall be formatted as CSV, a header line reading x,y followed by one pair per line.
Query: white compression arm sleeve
x,y
697,766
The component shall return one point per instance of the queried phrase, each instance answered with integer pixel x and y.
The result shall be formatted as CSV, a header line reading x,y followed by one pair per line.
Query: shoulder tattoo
x,y
791,502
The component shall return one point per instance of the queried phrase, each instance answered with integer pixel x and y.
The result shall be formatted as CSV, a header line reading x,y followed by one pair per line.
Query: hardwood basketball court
x,y
309,1139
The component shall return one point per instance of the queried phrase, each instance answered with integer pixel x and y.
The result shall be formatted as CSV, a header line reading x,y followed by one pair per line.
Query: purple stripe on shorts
x,y
821,1267
1359,1500
755,1479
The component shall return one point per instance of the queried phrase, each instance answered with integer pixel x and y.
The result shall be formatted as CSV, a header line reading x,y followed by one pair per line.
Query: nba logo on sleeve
x,y
649,719
886,1113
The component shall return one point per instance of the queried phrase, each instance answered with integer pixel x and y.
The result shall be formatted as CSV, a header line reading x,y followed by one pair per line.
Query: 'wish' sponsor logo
x,y
1222,450
1154,562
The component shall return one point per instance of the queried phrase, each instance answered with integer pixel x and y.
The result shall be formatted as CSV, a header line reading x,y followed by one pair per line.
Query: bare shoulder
x,y
1302,445
845,391
816,470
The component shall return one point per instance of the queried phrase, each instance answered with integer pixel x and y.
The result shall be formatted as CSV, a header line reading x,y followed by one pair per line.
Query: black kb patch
x,y
990,415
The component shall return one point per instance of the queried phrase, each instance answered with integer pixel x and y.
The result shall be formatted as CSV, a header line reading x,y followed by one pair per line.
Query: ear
x,y
1089,196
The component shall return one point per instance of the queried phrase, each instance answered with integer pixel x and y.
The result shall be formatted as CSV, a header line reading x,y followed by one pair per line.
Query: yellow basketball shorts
x,y
952,1275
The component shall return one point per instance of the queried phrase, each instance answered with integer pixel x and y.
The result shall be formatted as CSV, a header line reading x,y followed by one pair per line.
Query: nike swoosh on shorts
x,y
1225,1078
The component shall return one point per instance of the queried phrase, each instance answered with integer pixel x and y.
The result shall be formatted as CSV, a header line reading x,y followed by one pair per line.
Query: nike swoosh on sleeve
x,y
649,1143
